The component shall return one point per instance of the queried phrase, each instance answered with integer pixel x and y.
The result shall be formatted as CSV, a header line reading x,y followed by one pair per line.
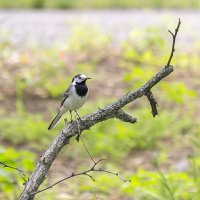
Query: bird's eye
x,y
79,78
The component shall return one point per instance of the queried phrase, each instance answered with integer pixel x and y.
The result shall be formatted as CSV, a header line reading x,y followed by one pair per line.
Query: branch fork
x,y
112,110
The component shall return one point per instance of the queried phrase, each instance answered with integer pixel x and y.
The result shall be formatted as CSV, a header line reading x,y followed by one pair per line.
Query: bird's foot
x,y
79,131
82,122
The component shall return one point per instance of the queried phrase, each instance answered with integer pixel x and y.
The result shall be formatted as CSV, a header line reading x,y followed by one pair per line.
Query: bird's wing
x,y
65,96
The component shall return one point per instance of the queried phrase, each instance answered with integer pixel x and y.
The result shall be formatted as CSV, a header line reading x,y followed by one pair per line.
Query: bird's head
x,y
79,79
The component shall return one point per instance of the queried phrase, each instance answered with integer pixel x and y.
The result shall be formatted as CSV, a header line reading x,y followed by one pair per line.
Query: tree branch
x,y
153,103
17,169
173,42
121,115
92,169
112,110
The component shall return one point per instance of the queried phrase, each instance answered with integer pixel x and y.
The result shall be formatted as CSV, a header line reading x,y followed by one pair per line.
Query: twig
x,y
149,94
121,115
17,169
87,151
92,169
78,126
173,42
153,103
78,119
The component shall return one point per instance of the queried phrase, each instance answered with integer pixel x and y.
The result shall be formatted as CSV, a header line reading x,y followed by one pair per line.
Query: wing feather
x,y
65,96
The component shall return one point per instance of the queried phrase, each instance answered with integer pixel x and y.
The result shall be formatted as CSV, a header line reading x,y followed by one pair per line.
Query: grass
x,y
146,152
99,4
23,128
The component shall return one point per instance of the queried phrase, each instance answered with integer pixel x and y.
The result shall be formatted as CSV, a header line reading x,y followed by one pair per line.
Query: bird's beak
x,y
88,78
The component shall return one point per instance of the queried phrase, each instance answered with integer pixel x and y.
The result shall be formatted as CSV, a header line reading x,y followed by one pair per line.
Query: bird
x,y
74,98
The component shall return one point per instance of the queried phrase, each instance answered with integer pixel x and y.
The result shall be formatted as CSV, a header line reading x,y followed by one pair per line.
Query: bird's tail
x,y
55,121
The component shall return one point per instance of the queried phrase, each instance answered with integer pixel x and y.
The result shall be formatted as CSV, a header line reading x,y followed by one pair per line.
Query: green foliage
x,y
140,55
137,76
46,74
20,85
177,92
23,127
56,87
156,185
140,46
142,50
11,180
99,4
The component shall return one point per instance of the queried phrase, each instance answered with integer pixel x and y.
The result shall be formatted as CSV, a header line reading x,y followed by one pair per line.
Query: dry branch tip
x,y
173,42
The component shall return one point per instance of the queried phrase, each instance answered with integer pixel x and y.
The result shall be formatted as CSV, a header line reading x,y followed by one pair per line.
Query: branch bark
x,y
112,110
153,103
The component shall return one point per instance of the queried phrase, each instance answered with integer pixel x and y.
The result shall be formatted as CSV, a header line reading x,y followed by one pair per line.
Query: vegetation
x,y
160,155
98,4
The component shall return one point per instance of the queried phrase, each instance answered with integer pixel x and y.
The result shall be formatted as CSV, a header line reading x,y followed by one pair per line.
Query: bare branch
x,y
152,102
90,176
92,169
116,174
17,169
173,42
70,130
121,115
149,94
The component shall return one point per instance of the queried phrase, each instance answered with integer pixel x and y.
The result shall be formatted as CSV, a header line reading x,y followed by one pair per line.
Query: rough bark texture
x,y
113,110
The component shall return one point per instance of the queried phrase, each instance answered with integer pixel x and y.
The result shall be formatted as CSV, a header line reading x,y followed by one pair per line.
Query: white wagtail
x,y
73,98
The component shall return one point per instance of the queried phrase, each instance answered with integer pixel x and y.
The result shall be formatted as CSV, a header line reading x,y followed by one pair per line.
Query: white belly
x,y
74,102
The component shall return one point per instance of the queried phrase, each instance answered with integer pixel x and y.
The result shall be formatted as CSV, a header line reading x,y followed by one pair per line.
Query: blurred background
x,y
120,44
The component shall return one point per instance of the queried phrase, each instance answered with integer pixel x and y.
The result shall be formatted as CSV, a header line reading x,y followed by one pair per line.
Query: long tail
x,y
55,121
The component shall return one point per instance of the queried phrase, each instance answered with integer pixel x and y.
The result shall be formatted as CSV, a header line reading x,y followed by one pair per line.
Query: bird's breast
x,y
81,90
75,101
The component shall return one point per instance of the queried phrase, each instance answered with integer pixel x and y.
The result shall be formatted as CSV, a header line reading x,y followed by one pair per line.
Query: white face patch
x,y
79,79
83,76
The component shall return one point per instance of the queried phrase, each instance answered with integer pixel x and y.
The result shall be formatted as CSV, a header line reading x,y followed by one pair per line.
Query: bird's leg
x,y
82,120
78,119
78,125
77,115
71,115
